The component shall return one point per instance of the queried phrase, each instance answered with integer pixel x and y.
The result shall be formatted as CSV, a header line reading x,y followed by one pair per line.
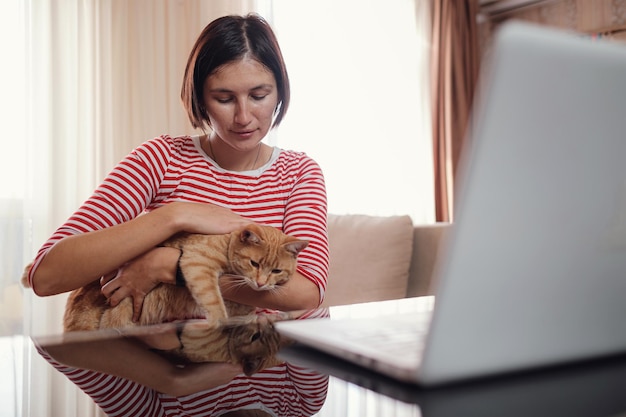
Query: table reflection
x,y
309,386
135,371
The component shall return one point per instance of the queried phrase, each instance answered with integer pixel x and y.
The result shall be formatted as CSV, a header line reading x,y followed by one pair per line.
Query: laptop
x,y
533,271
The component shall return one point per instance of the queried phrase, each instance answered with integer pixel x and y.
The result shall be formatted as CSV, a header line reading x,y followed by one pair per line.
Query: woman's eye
x,y
223,100
254,263
259,98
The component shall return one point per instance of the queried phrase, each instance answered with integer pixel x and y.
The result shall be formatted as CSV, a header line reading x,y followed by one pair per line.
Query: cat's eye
x,y
276,271
254,263
256,336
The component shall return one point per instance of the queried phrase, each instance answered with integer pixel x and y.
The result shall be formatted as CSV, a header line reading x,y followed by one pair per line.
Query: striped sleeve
x,y
124,194
306,217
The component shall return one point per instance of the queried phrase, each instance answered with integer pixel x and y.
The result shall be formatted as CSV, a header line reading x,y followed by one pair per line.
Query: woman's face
x,y
240,98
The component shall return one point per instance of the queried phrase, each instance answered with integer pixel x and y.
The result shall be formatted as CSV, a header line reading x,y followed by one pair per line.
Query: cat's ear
x,y
295,246
247,235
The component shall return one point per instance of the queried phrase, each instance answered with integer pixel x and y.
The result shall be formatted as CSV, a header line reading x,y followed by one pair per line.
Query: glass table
x,y
594,388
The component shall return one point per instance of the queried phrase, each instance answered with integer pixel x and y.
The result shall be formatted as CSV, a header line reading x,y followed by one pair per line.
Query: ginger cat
x,y
262,256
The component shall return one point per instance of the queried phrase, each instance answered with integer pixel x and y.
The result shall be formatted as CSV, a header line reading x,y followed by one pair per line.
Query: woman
x,y
236,84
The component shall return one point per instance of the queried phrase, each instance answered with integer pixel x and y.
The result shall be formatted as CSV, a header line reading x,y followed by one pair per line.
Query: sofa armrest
x,y
426,242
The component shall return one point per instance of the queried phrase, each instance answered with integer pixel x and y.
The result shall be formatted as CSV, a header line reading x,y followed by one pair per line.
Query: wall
x,y
602,18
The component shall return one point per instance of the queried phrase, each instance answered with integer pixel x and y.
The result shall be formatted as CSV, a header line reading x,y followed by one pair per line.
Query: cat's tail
x,y
25,282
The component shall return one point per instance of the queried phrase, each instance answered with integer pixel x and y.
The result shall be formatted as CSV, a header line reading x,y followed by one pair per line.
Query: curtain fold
x,y
454,71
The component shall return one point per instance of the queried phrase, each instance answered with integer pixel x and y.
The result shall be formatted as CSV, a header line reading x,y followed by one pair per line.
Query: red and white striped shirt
x,y
287,193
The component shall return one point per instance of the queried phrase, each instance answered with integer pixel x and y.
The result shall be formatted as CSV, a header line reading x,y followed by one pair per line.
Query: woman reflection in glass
x,y
236,89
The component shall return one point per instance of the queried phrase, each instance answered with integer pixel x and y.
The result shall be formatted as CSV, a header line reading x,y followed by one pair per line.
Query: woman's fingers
x,y
109,289
137,306
108,277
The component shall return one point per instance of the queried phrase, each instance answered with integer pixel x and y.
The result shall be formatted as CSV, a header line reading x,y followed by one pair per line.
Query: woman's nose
x,y
242,114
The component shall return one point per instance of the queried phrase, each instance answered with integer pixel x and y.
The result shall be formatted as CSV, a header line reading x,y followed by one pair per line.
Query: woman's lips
x,y
245,134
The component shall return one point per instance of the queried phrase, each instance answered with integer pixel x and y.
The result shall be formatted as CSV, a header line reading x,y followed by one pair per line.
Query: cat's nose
x,y
261,283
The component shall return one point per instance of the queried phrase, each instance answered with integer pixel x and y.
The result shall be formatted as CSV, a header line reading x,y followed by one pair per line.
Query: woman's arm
x,y
299,293
77,260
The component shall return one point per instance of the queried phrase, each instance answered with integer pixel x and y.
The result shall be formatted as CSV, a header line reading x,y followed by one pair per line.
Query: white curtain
x,y
89,80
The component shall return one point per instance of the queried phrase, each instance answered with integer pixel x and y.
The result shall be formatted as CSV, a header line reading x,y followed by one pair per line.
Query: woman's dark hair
x,y
225,40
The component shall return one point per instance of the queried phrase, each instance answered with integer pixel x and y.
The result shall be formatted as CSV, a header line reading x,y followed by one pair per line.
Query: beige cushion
x,y
370,258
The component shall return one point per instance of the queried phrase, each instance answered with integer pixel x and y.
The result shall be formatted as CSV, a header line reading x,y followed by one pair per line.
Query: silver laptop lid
x,y
534,272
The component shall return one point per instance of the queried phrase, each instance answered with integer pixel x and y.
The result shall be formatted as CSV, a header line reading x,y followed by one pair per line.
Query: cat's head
x,y
264,256
252,342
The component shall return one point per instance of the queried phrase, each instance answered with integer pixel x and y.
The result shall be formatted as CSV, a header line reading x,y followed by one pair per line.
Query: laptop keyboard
x,y
394,335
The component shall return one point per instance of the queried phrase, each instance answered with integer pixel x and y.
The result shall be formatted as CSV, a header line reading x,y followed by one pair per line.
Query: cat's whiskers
x,y
277,289
236,281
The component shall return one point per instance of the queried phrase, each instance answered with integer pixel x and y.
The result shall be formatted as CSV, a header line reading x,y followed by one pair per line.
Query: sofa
x,y
376,258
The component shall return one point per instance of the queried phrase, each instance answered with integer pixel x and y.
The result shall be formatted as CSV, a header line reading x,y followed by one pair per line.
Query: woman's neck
x,y
232,160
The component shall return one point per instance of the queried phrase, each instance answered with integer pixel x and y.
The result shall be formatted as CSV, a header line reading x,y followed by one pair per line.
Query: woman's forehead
x,y
244,74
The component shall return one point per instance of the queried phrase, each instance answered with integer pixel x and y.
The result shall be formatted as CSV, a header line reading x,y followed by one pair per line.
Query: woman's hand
x,y
207,219
138,277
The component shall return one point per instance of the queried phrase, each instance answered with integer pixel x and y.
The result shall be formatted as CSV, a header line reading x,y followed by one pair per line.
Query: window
x,y
359,103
